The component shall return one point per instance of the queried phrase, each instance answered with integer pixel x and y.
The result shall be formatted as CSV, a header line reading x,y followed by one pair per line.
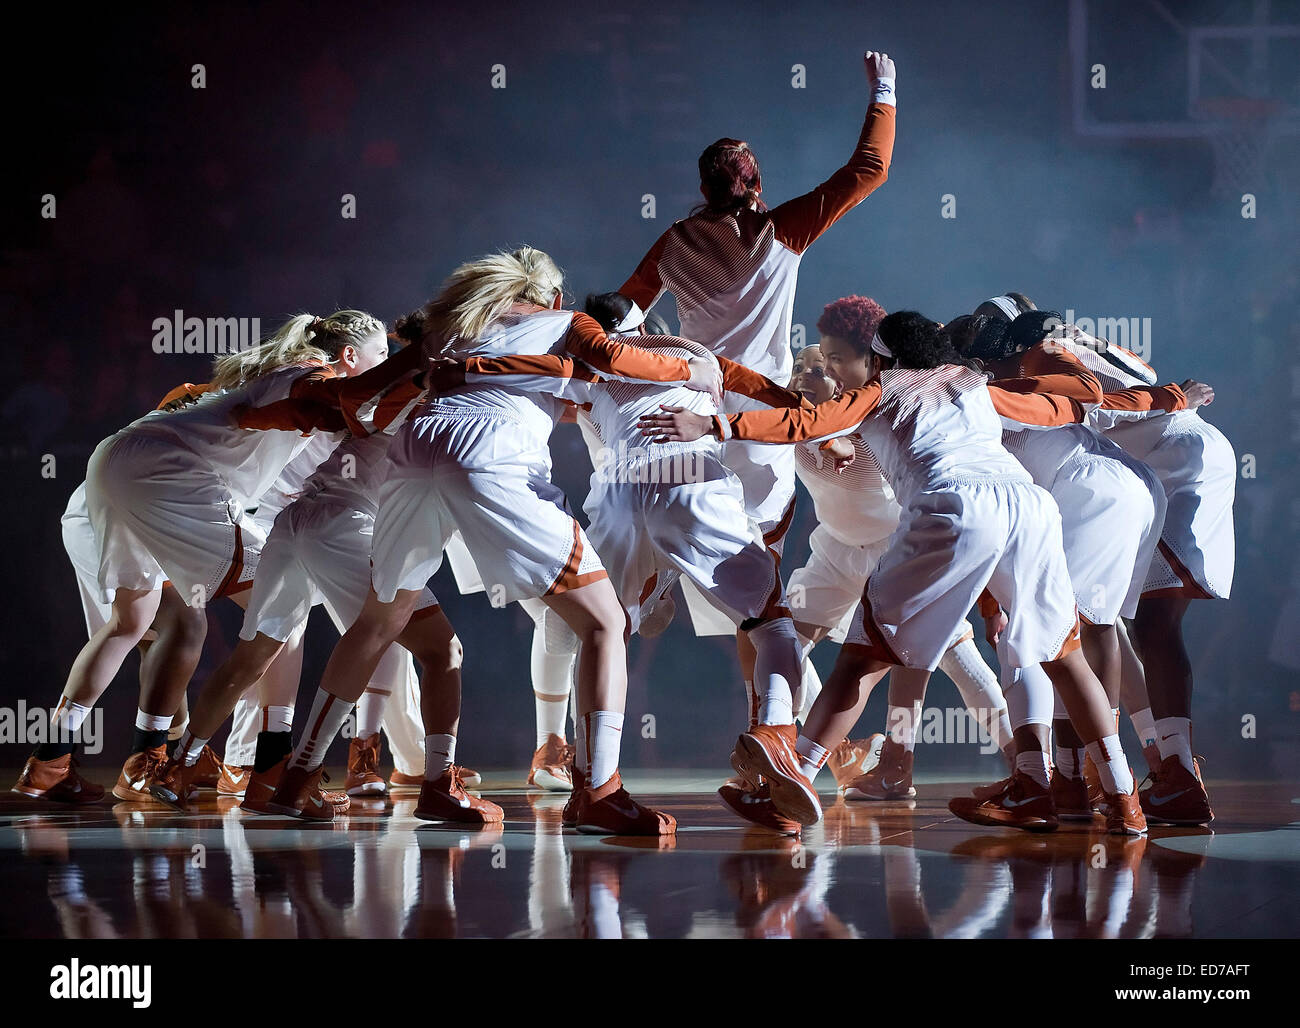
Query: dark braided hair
x,y
918,342
1032,327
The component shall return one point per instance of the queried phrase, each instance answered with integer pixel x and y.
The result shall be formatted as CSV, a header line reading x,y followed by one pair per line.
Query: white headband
x,y
1006,305
635,319
878,346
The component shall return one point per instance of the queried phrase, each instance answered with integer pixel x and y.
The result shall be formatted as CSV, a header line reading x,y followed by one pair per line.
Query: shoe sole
x,y
280,808
480,822
857,795
1126,831
42,794
598,830
793,832
164,796
1180,822
984,821
791,798
368,789
549,782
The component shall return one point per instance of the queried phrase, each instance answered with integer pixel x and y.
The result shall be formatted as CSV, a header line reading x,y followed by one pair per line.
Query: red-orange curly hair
x,y
853,319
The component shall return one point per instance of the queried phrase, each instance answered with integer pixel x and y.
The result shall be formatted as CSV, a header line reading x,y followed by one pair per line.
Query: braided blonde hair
x,y
480,291
302,339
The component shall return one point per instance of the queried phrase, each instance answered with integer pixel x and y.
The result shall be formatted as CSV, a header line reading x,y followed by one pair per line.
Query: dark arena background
x,y
1133,163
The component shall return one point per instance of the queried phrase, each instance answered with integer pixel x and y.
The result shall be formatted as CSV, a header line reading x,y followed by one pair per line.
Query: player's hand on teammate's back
x,y
675,425
1198,393
706,377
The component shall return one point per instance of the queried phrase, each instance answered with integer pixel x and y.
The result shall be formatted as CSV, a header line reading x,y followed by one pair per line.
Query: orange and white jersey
x,y
857,506
734,275
247,461
927,427
528,407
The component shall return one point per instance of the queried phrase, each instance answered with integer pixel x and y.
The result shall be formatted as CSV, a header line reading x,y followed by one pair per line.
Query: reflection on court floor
x,y
906,869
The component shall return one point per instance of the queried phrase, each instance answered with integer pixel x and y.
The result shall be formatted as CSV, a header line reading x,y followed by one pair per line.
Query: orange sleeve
x,y
1042,409
645,286
1061,374
587,341
988,606
183,395
354,395
839,416
736,378
800,221
545,365
1146,398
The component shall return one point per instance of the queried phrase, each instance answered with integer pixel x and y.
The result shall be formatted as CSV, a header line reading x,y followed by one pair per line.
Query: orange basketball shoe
x,y
445,799
551,766
768,750
609,810
1177,796
133,782
1022,803
363,768
57,780
757,808
854,757
890,779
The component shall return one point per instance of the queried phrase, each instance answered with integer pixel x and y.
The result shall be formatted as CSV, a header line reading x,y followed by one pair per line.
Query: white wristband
x,y
884,92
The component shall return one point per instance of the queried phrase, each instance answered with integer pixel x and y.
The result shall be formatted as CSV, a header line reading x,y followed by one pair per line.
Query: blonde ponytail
x,y
481,291
303,339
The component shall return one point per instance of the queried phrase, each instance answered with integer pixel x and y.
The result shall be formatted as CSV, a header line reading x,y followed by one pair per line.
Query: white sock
x,y
810,687
328,713
604,739
552,684
277,719
1069,761
152,722
1034,764
66,719
751,702
580,759
551,712
979,689
902,723
1174,737
1108,755
370,711
439,755
1145,726
777,672
192,747
813,756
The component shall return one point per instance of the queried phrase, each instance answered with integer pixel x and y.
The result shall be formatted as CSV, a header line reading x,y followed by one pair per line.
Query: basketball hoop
x,y
1241,134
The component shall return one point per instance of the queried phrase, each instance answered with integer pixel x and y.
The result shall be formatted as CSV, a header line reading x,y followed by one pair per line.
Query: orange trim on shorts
x,y
568,578
1190,588
230,583
649,589
423,612
776,534
878,647
1072,641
